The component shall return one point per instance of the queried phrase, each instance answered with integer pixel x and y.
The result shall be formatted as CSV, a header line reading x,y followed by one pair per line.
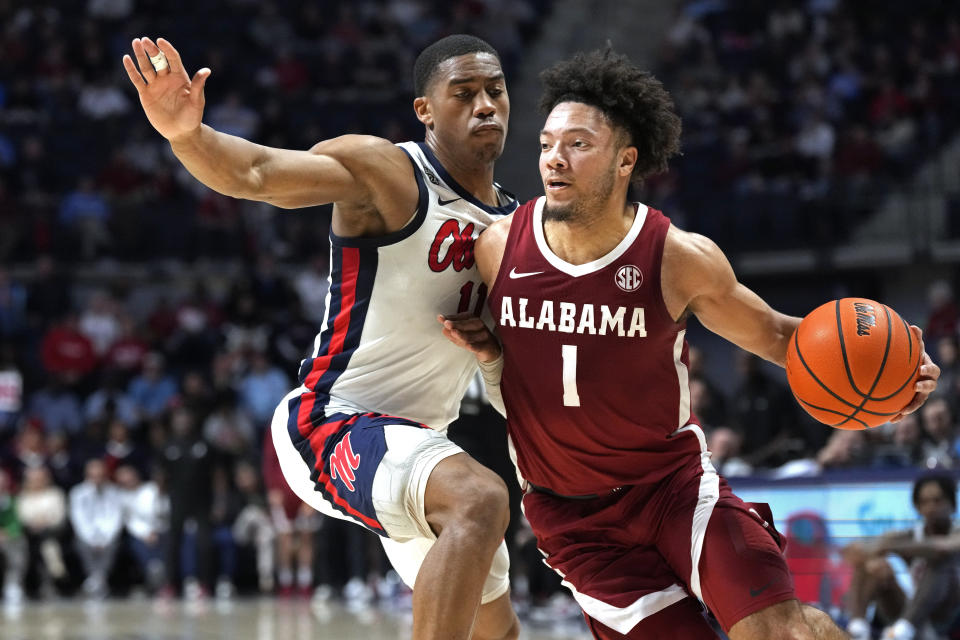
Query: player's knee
x,y
879,569
488,505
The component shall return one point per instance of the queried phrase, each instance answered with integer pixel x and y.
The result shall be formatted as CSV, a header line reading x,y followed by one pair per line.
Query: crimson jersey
x,y
595,371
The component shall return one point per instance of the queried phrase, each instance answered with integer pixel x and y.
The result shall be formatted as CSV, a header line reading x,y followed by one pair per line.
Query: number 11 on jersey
x,y
570,396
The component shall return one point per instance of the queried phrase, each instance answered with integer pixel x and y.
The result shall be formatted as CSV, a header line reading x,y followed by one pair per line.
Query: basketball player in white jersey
x,y
363,437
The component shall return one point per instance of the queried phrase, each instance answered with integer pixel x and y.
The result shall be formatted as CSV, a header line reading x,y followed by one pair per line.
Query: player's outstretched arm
x,y
697,278
359,170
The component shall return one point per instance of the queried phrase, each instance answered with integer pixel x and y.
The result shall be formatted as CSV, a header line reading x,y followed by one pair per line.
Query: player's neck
x,y
592,235
474,176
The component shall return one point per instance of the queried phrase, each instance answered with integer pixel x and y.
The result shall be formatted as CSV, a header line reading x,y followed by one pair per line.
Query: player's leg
x,y
935,600
495,617
747,584
466,507
786,621
496,620
873,581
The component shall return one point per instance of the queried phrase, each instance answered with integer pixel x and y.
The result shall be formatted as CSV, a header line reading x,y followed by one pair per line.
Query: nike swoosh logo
x,y
755,592
514,274
446,202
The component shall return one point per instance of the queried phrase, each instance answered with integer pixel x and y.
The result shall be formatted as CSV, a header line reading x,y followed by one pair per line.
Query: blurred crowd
x,y
799,115
135,401
84,177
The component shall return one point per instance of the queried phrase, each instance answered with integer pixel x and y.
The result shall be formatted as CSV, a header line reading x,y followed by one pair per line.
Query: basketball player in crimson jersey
x,y
590,294
404,221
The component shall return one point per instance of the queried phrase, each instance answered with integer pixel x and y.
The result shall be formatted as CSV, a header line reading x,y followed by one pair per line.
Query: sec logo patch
x,y
629,278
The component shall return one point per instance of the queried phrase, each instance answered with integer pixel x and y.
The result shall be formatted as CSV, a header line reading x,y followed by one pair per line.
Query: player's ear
x,y
421,106
628,160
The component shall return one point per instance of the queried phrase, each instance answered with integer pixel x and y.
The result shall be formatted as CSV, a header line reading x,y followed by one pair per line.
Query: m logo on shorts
x,y
344,462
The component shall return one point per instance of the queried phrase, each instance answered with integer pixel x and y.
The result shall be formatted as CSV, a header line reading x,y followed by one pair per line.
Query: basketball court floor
x,y
239,619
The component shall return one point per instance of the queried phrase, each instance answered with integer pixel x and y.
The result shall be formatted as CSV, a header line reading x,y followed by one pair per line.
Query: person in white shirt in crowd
x,y
253,525
96,513
42,510
146,513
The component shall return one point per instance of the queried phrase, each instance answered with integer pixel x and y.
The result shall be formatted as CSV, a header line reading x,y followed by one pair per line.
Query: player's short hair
x,y
631,99
443,49
947,482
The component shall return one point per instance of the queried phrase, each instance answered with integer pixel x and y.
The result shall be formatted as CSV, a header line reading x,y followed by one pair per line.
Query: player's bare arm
x,y
369,178
697,278
489,247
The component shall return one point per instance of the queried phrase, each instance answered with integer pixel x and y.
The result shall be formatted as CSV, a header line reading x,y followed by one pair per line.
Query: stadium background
x,y
820,151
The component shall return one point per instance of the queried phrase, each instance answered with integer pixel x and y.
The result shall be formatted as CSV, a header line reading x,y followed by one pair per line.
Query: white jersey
x,y
381,348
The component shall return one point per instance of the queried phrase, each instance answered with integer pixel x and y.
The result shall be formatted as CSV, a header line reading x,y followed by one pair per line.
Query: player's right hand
x,y
471,333
172,101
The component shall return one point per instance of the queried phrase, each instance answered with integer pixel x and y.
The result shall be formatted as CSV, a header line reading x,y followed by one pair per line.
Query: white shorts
x,y
386,497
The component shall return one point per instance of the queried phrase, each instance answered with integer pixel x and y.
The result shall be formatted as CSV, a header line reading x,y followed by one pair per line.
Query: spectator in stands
x,y
944,315
63,460
940,448
11,392
948,357
13,545
311,285
294,523
49,293
224,510
188,469
122,450
99,323
229,430
110,402
67,353
84,213
153,389
724,444
765,415
125,356
56,407
844,450
13,306
904,445
933,552
96,515
146,510
261,389
253,525
42,509
28,451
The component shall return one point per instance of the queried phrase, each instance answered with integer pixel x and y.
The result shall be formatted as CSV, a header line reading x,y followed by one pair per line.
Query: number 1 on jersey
x,y
570,396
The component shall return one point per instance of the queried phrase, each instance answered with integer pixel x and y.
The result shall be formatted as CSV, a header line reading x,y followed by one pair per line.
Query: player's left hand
x,y
471,333
926,382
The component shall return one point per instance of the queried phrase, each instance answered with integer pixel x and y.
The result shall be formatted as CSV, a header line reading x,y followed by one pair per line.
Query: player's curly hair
x,y
632,99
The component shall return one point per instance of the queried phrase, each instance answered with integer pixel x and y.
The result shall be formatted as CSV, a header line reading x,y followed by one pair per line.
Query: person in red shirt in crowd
x,y
67,352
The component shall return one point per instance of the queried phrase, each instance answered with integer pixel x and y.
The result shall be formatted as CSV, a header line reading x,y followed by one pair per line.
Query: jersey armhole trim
x,y
400,234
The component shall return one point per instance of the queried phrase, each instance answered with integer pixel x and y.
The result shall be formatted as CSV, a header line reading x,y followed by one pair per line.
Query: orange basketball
x,y
852,363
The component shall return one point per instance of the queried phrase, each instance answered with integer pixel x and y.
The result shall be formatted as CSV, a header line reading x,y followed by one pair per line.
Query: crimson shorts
x,y
634,558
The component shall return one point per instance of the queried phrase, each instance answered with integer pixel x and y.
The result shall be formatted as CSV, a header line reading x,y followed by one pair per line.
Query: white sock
x,y
858,628
304,577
